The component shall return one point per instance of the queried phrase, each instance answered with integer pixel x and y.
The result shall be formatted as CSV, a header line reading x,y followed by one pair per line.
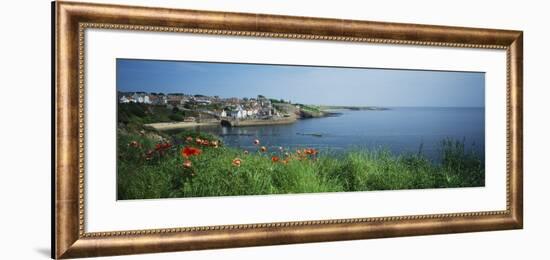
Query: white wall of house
x,y
146,100
124,99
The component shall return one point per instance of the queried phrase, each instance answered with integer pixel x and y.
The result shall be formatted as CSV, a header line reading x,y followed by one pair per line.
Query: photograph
x,y
218,129
205,129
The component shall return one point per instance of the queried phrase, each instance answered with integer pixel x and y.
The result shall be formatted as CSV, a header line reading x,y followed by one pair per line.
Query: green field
x,y
152,165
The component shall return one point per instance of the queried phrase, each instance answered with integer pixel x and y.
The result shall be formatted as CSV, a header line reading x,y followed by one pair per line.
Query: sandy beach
x,y
179,125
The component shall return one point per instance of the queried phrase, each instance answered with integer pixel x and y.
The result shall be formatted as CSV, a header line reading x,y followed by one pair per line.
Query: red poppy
x,y
311,151
149,155
236,162
187,164
274,159
198,140
190,151
162,146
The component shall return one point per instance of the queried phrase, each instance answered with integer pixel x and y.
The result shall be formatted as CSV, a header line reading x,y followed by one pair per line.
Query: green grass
x,y
134,115
161,174
311,108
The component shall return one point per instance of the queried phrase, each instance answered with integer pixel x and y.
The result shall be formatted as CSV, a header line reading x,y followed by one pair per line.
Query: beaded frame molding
x,y
70,20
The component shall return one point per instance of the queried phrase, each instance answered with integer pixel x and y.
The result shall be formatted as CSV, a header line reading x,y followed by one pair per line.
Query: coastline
x,y
258,122
332,111
164,126
354,108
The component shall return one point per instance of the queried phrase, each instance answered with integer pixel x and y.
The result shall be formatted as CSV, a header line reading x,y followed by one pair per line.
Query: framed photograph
x,y
184,130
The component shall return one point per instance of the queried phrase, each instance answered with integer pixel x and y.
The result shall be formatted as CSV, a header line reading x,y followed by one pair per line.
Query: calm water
x,y
401,130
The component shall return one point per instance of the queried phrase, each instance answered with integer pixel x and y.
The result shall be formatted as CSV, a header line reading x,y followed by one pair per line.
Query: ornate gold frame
x,y
72,19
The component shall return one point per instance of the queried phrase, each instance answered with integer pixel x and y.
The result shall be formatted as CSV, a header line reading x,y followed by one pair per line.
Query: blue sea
x,y
401,130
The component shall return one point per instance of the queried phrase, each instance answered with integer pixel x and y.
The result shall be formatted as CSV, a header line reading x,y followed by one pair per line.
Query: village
x,y
214,109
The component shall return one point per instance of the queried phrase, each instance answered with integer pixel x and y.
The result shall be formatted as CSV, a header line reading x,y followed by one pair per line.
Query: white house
x,y
146,100
201,101
124,99
137,98
239,112
184,100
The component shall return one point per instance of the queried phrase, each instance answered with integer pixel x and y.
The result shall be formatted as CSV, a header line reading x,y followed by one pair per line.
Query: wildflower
x,y
149,155
189,139
162,146
190,151
280,148
205,143
245,152
256,142
198,140
274,159
134,144
187,164
310,151
287,154
263,149
285,161
214,144
236,162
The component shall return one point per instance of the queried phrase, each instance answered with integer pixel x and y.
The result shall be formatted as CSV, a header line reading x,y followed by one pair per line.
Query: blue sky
x,y
305,84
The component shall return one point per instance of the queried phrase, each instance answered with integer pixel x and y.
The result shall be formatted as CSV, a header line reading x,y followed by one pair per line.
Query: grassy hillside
x,y
134,115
